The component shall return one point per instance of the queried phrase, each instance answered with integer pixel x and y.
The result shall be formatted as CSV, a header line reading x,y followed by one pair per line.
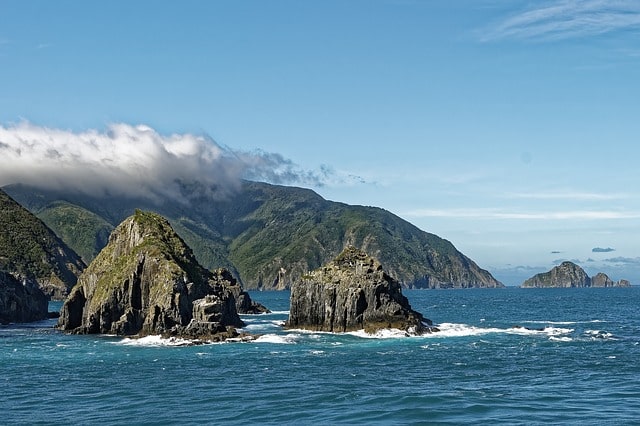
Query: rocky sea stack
x,y
352,292
147,281
568,274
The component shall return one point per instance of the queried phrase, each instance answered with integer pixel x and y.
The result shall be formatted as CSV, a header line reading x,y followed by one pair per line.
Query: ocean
x,y
504,356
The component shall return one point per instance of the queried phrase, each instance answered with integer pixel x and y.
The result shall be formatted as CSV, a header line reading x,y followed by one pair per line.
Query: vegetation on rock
x,y
31,251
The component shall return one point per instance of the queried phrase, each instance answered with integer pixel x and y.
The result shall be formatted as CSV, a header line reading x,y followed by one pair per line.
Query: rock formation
x,y
352,292
33,253
21,301
568,274
147,281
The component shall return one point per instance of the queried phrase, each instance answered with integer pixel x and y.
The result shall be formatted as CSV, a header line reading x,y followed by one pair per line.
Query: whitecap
x,y
598,334
155,340
560,339
385,333
285,339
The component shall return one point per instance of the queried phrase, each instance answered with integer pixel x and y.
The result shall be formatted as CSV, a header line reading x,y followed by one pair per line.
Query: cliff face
x,y
21,302
32,252
352,292
147,281
568,274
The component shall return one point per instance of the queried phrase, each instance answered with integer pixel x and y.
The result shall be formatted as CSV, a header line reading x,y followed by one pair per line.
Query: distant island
x,y
568,274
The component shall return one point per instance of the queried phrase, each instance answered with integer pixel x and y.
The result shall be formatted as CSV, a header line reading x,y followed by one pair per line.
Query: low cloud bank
x,y
134,161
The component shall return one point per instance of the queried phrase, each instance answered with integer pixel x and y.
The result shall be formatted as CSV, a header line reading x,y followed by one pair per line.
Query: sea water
x,y
503,356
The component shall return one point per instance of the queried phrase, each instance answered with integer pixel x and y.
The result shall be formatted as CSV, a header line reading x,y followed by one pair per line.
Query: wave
x,y
155,341
599,334
562,322
283,339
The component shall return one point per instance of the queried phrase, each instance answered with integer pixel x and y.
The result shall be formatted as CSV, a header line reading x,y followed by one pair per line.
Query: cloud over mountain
x,y
133,161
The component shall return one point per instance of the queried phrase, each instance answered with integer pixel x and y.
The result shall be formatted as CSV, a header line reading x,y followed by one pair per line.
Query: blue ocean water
x,y
573,358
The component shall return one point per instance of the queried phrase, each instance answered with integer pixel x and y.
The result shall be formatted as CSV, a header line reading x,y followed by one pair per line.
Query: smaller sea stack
x,y
350,293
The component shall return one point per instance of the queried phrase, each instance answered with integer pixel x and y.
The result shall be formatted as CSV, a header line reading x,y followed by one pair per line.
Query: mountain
x,y
29,250
268,235
568,274
147,281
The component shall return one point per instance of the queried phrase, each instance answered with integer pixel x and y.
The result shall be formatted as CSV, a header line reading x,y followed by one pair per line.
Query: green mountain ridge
x,y
31,250
269,235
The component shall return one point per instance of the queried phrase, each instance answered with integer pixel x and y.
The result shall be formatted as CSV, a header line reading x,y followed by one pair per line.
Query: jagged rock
x,y
568,274
623,283
244,303
601,280
147,281
21,301
31,252
352,292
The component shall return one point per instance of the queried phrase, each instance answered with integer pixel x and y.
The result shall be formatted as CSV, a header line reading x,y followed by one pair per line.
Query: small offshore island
x,y
568,274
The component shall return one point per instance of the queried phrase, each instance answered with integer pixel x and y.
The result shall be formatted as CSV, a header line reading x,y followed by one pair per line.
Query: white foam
x,y
155,340
284,339
386,333
561,339
598,334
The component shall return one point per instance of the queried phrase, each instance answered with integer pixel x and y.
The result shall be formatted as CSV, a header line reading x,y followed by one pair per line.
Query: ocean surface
x,y
504,356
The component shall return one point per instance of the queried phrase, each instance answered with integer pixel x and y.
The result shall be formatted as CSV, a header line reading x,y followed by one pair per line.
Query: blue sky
x,y
507,127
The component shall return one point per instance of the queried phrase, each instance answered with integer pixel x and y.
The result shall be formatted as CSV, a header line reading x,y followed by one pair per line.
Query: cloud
x,y
497,214
134,161
567,195
564,19
602,250
624,260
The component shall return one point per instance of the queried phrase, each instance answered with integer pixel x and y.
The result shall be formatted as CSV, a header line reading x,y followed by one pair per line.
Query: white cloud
x,y
132,160
497,214
562,19
568,195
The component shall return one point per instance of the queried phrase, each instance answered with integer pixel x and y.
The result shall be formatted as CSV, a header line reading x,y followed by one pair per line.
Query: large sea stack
x,y
147,281
568,274
352,292
32,253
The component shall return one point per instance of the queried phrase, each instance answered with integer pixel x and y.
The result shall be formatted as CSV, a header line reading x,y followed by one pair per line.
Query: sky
x,y
507,127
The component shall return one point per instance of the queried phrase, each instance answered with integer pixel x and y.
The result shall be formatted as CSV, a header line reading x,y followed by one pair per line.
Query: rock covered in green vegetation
x,y
352,292
21,301
147,281
30,251
568,274
268,236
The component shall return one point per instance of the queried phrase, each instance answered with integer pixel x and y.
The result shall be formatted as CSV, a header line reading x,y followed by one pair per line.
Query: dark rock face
x,y
352,292
21,301
147,281
568,274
